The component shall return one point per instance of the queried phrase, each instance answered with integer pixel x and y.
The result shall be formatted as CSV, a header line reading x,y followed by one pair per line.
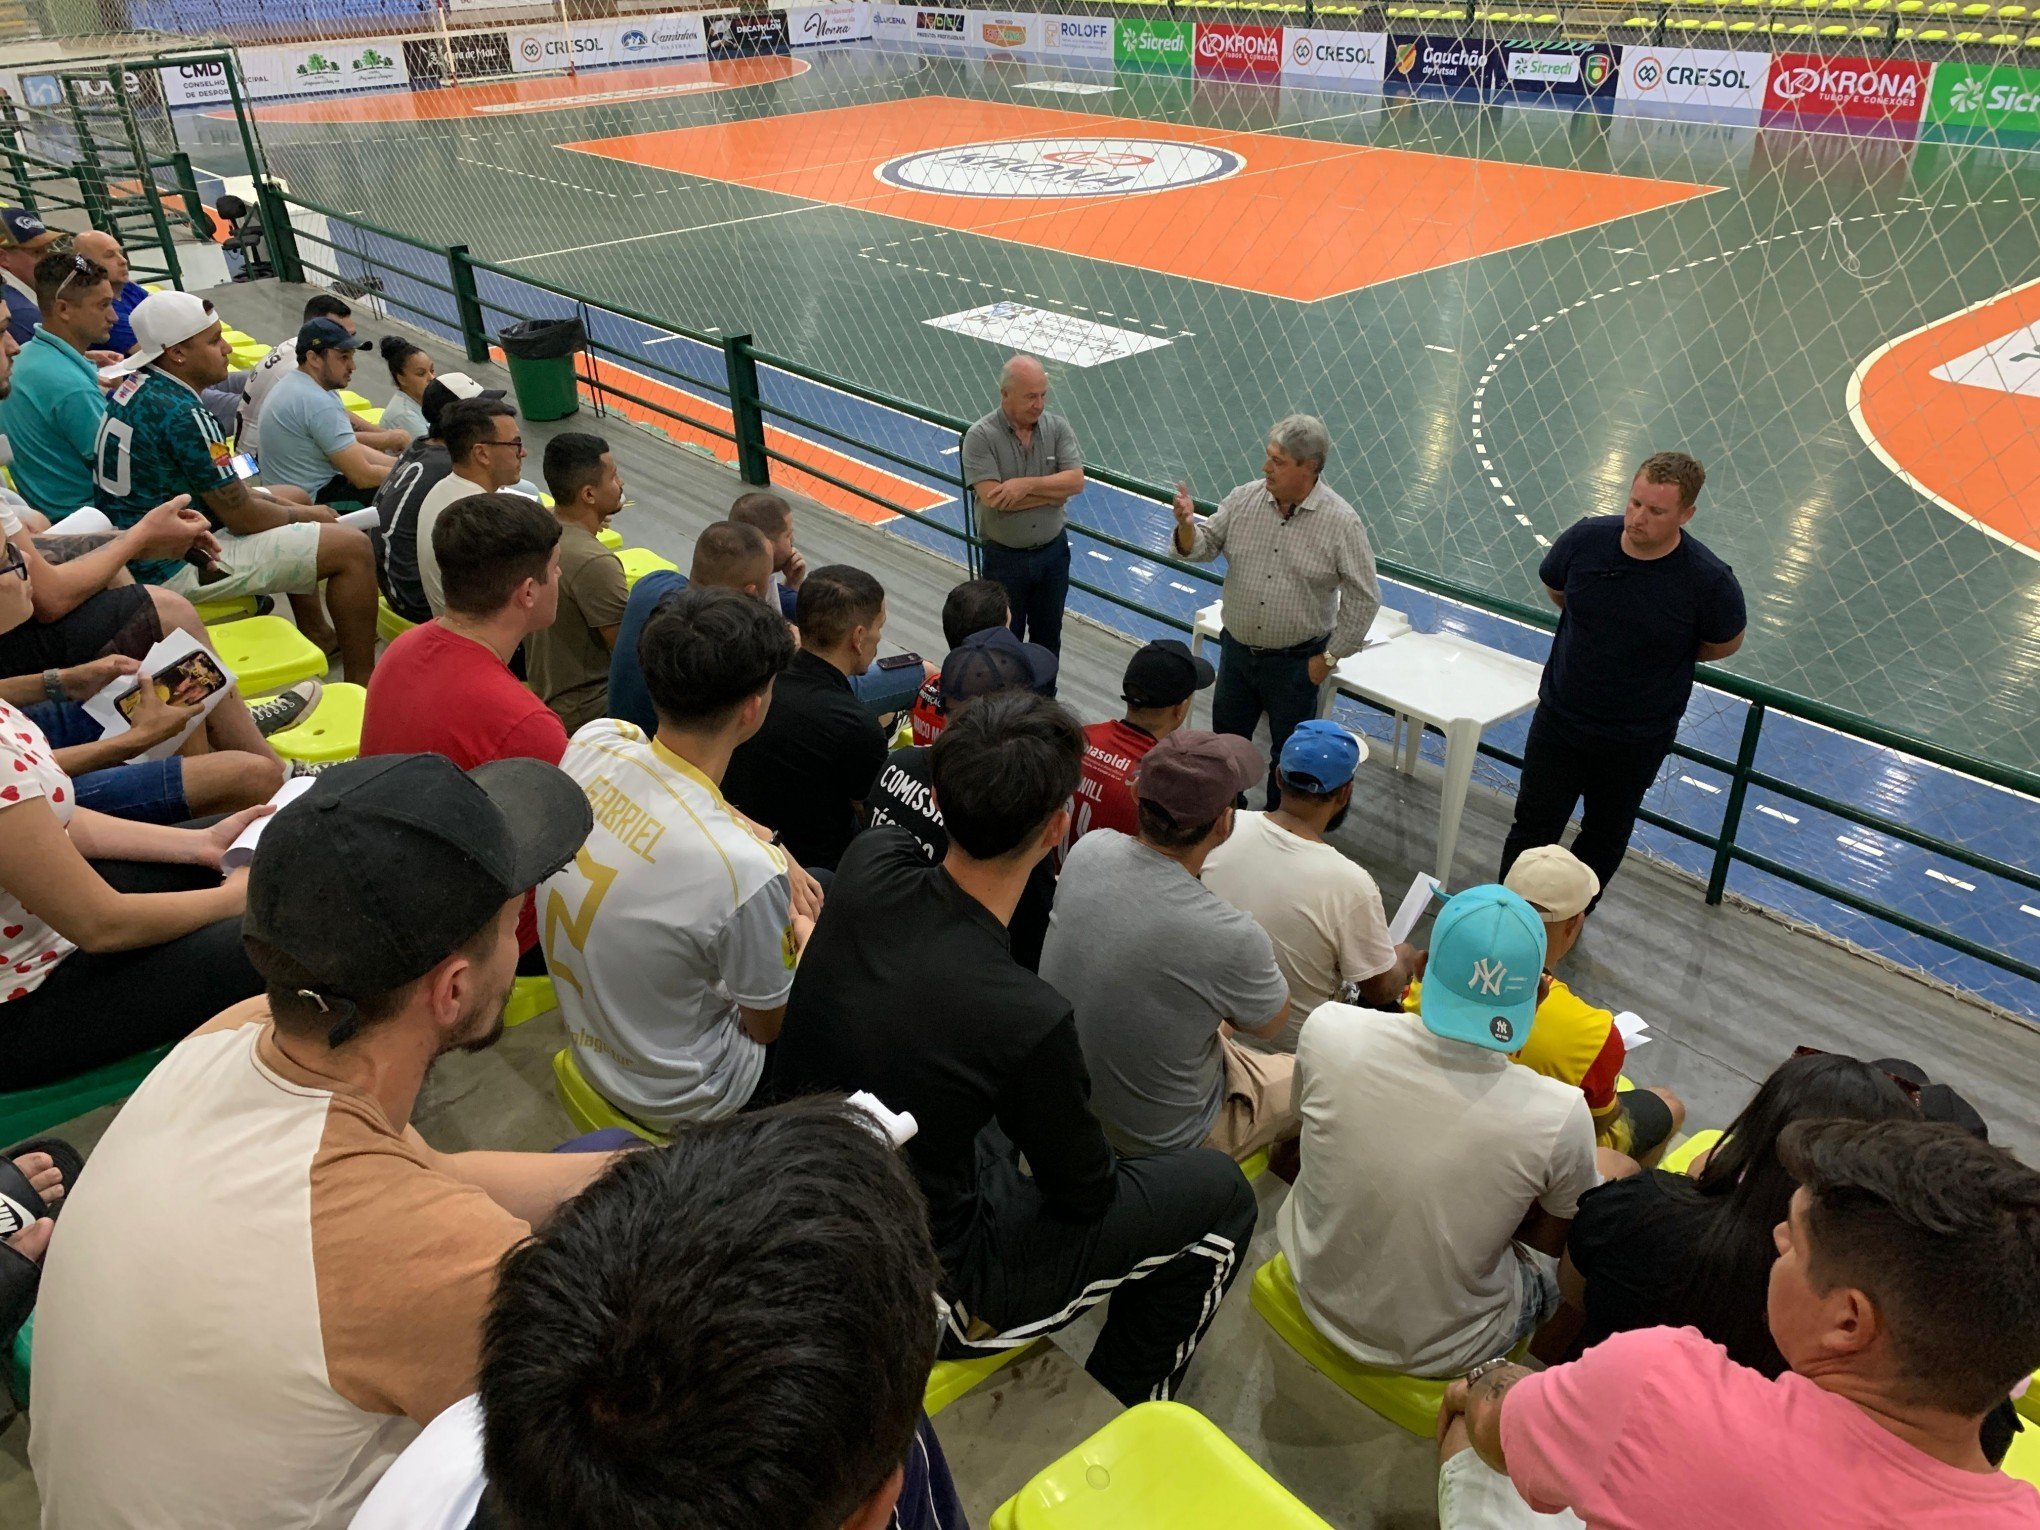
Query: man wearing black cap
x,y
1161,681
271,1282
309,441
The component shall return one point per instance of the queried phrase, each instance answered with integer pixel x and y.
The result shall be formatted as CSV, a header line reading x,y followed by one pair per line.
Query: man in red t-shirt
x,y
1161,681
445,686
976,605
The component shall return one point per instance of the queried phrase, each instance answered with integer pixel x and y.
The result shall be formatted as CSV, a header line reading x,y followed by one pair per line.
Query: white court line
x,y
666,233
1942,876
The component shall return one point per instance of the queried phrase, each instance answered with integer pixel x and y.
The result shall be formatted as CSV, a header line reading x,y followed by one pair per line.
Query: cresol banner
x,y
1226,48
1312,53
1676,77
1884,90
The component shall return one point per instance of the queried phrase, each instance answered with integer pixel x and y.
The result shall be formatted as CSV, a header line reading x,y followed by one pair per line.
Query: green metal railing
x,y
758,444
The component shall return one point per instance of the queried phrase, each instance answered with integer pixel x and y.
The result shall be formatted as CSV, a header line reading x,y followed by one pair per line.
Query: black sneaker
x,y
286,708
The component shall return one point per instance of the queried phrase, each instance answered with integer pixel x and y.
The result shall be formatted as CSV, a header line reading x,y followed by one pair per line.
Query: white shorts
x,y
281,561
1474,1496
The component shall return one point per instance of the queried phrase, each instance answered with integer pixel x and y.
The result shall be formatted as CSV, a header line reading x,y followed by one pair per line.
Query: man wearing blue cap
x,y
1438,1178
1321,910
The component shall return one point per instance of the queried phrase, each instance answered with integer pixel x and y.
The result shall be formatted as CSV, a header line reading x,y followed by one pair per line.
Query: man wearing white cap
x,y
158,440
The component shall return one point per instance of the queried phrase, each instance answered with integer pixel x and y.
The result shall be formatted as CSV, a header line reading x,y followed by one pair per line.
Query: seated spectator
x,y
54,407
158,441
672,938
568,662
1438,1179
1571,1040
1321,910
1657,1249
907,990
1161,685
1906,1301
486,454
413,371
271,370
1161,971
808,771
309,440
980,665
423,465
727,556
104,250
651,1326
445,687
24,240
317,1275
976,605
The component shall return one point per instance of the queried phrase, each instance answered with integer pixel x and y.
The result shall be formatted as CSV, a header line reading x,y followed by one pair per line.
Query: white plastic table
x,y
1388,625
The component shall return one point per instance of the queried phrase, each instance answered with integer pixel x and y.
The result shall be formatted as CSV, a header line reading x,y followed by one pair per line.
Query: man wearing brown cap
x,y
1161,970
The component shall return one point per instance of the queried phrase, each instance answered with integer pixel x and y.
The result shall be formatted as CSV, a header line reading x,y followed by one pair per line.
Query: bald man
x,y
103,249
1023,466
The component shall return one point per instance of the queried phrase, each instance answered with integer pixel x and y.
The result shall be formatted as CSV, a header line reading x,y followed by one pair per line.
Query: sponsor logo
x,y
734,36
1153,44
1544,68
316,64
1812,84
1488,976
201,72
1647,73
372,58
1501,1030
819,26
42,89
1870,85
1003,34
633,41
1082,30
1252,49
1697,78
2000,97
1418,58
532,49
1595,68
950,22
1060,167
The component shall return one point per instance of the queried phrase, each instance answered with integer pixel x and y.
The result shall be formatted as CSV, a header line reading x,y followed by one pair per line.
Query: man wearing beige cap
x,y
1161,970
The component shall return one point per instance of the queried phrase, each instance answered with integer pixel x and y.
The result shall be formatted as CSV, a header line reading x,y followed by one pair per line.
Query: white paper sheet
x,y
88,522
1633,1031
364,519
1412,907
242,850
104,709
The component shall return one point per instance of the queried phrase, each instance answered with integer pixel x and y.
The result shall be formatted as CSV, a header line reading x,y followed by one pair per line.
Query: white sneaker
x,y
286,708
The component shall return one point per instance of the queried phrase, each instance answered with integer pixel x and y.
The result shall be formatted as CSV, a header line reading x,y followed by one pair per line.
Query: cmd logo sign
x,y
1230,49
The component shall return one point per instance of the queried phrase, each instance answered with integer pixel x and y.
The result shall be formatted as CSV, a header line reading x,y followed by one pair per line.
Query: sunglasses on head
x,y
83,271
1906,1086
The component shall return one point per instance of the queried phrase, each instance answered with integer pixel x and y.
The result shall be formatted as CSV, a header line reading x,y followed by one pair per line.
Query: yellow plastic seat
x,y
2023,1459
530,997
584,1107
1680,1158
610,538
212,611
640,561
1833,32
2011,13
1742,26
331,732
1256,1166
1158,1466
1934,35
952,1378
388,625
2002,40
266,653
1714,26
1410,1402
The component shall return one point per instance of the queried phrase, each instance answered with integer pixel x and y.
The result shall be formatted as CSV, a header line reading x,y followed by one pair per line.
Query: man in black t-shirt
x,y
416,473
1640,602
907,990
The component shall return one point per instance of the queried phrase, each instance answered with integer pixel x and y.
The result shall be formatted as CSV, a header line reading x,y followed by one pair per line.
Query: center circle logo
x,y
1060,167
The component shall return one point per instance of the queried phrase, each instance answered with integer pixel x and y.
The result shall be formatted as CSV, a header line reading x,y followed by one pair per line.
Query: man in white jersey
x,y
673,936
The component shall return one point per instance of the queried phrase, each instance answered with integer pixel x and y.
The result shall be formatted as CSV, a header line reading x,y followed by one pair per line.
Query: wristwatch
x,y
1485,1366
53,686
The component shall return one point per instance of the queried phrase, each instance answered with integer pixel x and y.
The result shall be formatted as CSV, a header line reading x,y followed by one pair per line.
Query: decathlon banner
x,y
1002,31
1077,36
1998,98
1311,53
1230,48
1449,62
1587,70
746,34
1860,89
1694,77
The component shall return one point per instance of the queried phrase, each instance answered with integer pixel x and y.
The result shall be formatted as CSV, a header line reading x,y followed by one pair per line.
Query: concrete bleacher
x,y
1728,994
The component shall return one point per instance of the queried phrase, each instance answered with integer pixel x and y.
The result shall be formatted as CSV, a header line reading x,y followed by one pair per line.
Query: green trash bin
x,y
540,354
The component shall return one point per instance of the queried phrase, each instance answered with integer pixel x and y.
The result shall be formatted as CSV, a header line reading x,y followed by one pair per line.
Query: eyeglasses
x,y
1906,1086
15,563
516,441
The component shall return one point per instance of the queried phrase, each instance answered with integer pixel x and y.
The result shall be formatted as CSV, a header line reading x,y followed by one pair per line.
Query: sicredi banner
x,y
1998,98
1314,53
1860,89
1693,77
1001,31
1449,62
1077,36
1144,44
1559,69
1228,48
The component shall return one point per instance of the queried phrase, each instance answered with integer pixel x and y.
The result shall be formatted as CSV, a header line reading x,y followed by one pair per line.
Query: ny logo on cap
x,y
1488,977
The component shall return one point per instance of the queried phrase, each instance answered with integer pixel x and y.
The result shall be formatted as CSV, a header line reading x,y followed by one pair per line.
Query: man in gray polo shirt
x,y
1023,465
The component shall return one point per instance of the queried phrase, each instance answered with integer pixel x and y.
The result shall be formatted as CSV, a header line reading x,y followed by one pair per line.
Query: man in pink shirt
x,y
1905,1297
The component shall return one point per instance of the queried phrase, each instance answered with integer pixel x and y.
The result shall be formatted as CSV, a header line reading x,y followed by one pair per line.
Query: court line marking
x,y
532,175
665,233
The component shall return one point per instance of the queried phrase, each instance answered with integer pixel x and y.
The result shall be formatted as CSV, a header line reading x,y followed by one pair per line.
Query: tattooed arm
x,y
1480,1400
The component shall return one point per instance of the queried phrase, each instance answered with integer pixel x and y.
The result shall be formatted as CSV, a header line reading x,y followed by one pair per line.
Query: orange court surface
x,y
1231,213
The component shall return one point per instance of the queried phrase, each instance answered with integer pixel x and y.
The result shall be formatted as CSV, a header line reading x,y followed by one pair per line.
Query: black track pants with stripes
x,y
1163,1255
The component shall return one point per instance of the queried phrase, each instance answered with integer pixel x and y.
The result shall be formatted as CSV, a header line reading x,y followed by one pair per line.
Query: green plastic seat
x,y
331,732
1410,1402
530,997
950,1379
27,1112
584,1107
1680,1158
388,625
212,612
640,561
1158,1466
266,653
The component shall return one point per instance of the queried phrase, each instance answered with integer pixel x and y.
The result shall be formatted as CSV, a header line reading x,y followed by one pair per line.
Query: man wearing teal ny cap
x,y
1438,1179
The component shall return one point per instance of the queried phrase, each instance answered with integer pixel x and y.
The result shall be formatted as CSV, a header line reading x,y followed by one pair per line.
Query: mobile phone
x,y
901,661
210,569
243,465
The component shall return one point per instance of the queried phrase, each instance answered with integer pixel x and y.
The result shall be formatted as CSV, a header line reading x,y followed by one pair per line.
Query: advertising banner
x,y
647,39
1998,98
1448,62
1888,90
893,23
1584,69
541,48
474,54
1229,48
809,26
191,85
1002,31
1314,54
1144,44
745,34
1077,36
1694,77
935,28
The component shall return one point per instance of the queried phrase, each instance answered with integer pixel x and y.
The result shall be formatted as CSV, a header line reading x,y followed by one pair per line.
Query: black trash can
x,y
540,354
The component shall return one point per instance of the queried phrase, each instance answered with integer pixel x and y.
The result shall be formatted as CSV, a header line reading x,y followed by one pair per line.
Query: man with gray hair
x,y
1300,591
1023,465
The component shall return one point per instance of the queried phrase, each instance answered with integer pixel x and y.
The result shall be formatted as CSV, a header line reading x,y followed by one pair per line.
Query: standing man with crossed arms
x,y
1024,465
1300,591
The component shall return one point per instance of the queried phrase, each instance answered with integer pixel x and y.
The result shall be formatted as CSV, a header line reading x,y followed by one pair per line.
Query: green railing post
x,y
1731,813
93,193
275,214
753,466
187,189
467,302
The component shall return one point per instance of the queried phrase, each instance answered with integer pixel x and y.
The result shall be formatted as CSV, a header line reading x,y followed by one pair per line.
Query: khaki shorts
x,y
281,561
1260,1101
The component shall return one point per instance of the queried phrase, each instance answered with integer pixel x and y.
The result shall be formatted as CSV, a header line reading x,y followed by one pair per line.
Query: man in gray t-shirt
x,y
1156,966
1023,465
